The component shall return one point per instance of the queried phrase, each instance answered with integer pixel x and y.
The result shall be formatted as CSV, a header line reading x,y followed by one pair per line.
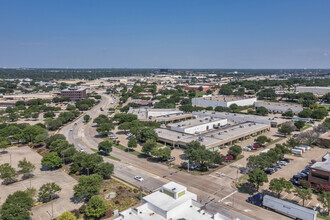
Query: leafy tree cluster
x,y
265,160
21,133
84,105
143,131
305,98
17,206
104,124
87,164
63,118
267,94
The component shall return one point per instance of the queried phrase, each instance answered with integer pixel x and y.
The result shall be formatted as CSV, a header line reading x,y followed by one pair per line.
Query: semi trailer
x,y
286,208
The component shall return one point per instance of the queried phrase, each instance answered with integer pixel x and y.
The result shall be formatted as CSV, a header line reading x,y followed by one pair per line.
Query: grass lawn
x,y
126,196
327,107
323,217
131,151
306,127
275,141
108,156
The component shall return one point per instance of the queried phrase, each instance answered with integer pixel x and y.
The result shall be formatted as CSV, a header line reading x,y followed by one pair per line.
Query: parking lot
x,y
296,165
44,211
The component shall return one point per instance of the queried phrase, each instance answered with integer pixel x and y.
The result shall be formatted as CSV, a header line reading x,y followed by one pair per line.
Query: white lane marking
x,y
247,210
293,197
285,195
228,196
300,200
227,203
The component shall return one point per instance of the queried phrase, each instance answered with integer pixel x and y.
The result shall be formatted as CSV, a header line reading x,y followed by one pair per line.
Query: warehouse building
x,y
172,201
160,115
215,139
241,118
223,101
73,93
198,125
317,90
279,107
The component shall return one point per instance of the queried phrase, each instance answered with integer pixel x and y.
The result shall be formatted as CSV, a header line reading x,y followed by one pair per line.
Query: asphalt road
x,y
216,192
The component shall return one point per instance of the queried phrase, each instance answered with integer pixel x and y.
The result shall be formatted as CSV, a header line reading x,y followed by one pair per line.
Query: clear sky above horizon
x,y
165,33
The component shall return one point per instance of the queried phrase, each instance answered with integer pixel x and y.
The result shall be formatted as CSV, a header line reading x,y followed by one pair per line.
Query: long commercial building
x,y
223,101
241,118
198,125
279,107
317,90
215,139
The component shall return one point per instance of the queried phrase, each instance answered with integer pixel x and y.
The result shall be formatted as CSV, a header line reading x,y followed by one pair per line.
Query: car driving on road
x,y
138,178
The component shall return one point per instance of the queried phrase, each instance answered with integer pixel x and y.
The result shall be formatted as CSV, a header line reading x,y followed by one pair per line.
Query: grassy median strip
x,y
108,156
131,151
275,141
306,127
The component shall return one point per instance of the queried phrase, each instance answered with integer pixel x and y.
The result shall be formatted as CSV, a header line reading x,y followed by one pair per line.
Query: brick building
x,y
319,172
73,93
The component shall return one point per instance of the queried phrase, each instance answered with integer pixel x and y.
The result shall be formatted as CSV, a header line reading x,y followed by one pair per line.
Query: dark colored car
x,y
295,182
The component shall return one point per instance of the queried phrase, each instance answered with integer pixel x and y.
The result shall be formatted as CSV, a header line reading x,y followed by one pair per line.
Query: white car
x,y
82,150
71,129
138,178
247,149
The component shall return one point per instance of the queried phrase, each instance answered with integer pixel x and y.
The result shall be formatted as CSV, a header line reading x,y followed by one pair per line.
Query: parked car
x,y
295,135
295,182
305,171
285,160
171,159
256,145
247,148
282,163
138,178
269,171
71,129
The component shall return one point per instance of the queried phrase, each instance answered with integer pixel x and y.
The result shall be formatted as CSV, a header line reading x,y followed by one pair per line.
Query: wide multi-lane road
x,y
215,192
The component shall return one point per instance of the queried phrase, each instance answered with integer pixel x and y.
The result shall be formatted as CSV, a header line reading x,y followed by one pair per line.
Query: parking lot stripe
x,y
293,197
300,200
285,195
309,203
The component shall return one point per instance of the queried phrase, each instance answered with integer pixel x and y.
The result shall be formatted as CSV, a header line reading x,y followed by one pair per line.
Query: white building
x,y
172,201
241,118
224,101
148,113
279,107
197,125
318,90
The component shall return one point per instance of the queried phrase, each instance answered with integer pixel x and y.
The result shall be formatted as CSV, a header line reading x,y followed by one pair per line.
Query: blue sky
x,y
165,33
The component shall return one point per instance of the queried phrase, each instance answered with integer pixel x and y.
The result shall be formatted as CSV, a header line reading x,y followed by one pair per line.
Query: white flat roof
x,y
196,122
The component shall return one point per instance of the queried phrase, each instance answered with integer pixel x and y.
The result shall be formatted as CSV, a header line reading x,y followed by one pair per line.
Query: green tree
x,y
306,113
285,129
162,153
262,111
326,123
235,150
319,113
226,90
97,207
47,191
132,143
35,115
26,167
105,146
304,194
104,169
86,118
8,173
198,154
88,186
148,146
51,160
67,216
258,177
261,139
288,114
105,128
292,142
17,206
233,107
324,198
299,124
279,185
